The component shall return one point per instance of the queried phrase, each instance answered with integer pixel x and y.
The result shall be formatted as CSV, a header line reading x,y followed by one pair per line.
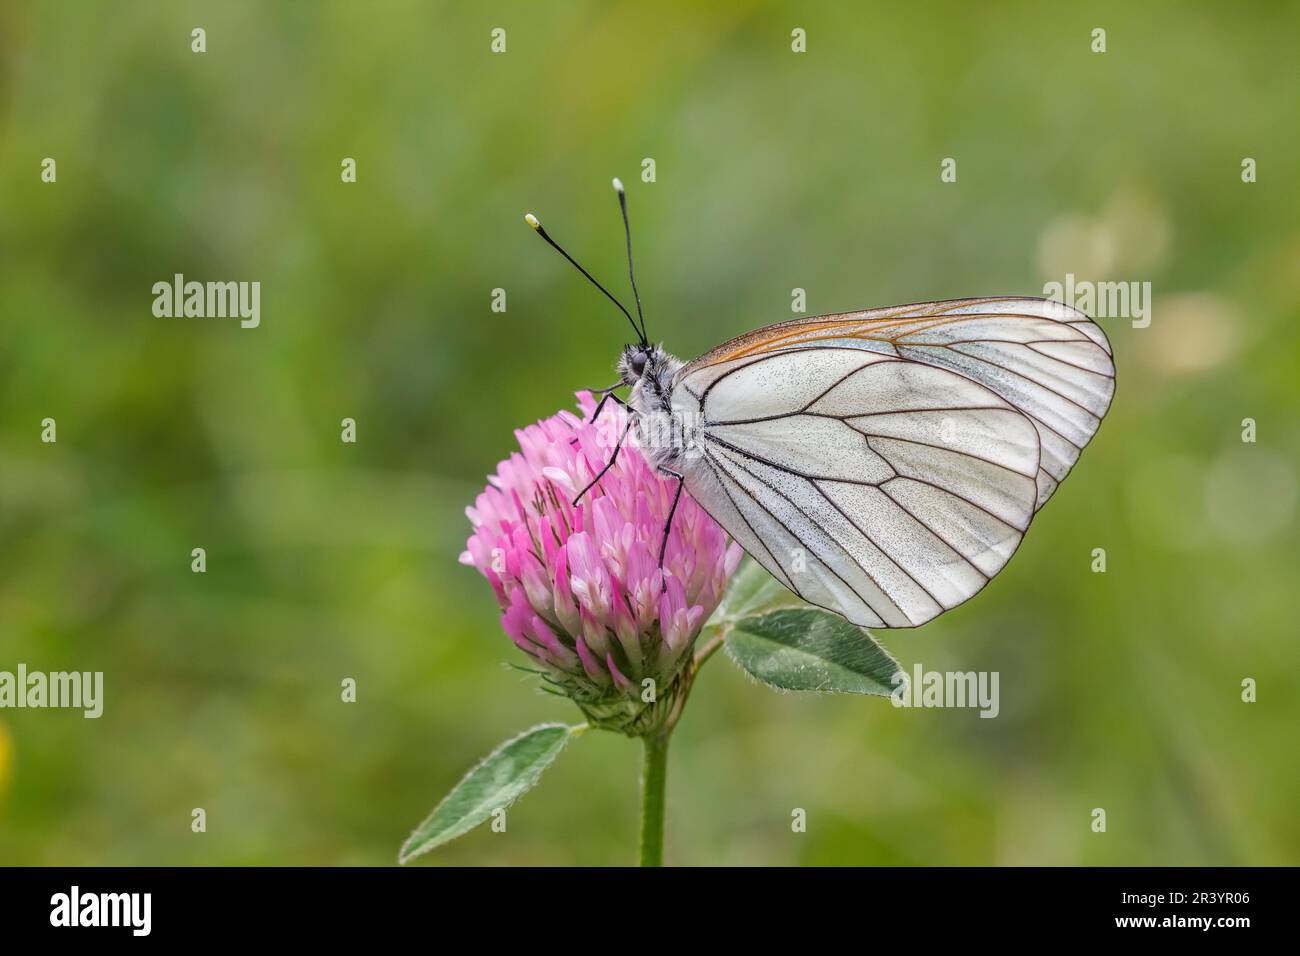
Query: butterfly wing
x,y
1047,359
886,464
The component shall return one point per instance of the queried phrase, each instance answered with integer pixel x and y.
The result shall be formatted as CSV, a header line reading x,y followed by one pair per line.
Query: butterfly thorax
x,y
663,435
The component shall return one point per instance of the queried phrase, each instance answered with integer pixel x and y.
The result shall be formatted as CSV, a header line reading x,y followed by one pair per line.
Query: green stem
x,y
711,648
654,775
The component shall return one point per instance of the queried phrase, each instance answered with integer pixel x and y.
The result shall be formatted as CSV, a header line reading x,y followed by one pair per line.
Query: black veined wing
x,y
886,464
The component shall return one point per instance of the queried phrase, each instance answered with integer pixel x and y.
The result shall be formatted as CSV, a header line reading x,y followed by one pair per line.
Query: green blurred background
x,y
775,170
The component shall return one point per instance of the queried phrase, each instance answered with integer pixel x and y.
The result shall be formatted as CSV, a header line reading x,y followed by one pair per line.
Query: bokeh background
x,y
775,170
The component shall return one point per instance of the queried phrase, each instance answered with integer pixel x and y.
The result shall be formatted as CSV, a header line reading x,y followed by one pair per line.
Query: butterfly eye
x,y
637,363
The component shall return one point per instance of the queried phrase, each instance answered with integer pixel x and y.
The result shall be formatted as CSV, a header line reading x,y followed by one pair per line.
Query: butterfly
x,y
883,464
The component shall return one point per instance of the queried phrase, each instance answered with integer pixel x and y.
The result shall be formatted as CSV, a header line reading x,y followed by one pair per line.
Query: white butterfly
x,y
884,464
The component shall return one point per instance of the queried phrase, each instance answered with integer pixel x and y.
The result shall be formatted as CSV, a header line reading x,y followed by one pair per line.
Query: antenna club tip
x,y
532,220
618,186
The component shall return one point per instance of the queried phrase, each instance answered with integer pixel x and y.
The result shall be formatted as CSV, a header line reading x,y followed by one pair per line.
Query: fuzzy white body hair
x,y
665,433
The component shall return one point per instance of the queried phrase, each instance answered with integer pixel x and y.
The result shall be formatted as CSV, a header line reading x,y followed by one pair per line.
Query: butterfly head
x,y
636,360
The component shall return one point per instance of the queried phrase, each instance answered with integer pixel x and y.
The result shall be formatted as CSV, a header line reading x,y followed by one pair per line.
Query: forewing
x,y
883,489
1044,358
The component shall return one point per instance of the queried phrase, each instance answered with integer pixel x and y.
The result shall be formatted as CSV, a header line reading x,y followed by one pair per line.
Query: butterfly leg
x,y
677,495
608,465
605,395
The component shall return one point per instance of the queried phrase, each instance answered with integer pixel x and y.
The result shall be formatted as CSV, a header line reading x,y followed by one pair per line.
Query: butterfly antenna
x,y
627,231
537,227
